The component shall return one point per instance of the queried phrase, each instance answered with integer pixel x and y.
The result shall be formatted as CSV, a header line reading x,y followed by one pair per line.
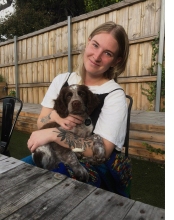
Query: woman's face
x,y
100,54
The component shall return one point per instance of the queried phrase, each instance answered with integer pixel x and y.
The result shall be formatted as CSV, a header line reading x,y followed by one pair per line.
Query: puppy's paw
x,y
81,173
44,157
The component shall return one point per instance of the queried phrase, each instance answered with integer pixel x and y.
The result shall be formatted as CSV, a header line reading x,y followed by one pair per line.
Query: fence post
x,y
160,58
16,65
69,44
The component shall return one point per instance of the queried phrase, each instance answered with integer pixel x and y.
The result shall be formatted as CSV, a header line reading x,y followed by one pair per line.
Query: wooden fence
x,y
42,54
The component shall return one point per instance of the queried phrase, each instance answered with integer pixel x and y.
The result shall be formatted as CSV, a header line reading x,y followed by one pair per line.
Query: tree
x,y
92,5
31,15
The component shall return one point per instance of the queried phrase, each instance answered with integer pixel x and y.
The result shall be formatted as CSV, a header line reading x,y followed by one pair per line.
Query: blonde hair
x,y
118,32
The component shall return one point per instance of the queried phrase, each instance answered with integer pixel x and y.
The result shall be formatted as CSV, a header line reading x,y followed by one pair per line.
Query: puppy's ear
x,y
60,104
93,102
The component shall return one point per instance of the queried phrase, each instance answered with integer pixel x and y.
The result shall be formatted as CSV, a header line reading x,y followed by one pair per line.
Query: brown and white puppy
x,y
75,100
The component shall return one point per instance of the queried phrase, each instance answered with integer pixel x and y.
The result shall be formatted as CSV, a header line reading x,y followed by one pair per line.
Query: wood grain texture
x,y
25,191
104,206
57,202
9,163
29,192
145,211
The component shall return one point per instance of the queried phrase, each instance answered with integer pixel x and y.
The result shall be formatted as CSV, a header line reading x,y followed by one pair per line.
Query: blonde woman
x,y
103,59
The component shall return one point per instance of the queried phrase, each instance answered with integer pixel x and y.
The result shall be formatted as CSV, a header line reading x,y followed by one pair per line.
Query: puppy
x,y
75,100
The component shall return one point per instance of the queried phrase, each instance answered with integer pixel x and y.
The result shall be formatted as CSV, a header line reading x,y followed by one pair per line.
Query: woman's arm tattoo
x,y
79,145
45,119
74,141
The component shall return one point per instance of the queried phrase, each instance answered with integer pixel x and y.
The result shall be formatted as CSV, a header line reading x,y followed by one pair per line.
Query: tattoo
x,y
73,140
45,119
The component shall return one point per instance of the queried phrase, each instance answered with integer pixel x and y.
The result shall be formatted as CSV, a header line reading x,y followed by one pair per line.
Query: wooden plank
x,y
9,163
140,135
46,74
121,80
101,205
29,73
28,49
148,127
24,49
137,79
18,175
55,203
134,23
139,144
139,152
2,157
145,58
40,45
11,78
148,117
52,70
145,211
151,12
26,191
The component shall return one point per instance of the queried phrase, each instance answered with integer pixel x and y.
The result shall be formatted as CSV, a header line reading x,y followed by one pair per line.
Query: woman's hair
x,y
118,32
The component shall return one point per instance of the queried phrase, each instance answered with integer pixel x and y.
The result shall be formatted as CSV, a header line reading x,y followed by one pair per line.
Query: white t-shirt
x,y
112,120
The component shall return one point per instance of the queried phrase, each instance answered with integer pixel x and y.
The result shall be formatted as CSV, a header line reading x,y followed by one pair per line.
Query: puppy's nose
x,y
76,104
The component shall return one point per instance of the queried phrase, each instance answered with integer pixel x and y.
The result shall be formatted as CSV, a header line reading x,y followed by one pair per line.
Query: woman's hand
x,y
70,122
41,137
48,115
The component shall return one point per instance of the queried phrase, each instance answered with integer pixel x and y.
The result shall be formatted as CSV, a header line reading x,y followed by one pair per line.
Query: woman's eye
x,y
95,45
108,54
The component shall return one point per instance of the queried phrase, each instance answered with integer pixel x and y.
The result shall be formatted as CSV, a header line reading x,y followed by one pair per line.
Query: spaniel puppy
x,y
75,100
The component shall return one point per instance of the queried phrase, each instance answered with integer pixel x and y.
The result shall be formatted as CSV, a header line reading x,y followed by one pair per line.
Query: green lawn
x,y
148,183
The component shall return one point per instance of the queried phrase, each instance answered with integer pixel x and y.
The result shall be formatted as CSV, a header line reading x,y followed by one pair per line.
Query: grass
x,y
148,183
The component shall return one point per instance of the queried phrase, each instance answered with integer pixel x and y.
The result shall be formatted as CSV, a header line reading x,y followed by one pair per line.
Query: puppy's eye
x,y
81,93
69,95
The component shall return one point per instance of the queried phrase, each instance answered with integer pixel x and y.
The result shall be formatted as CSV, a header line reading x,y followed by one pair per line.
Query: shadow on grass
x,y
148,183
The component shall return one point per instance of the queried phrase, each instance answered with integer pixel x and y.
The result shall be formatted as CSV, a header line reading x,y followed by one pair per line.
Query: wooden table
x,y
28,192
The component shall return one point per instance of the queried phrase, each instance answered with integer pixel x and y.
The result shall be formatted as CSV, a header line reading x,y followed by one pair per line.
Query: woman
x,y
103,59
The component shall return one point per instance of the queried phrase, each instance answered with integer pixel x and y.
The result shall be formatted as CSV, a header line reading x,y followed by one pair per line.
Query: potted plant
x,y
3,86
12,93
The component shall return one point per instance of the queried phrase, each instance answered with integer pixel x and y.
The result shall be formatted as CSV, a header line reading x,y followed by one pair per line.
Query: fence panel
x,y
44,54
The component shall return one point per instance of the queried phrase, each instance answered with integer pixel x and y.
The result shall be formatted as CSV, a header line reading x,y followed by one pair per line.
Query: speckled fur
x,y
76,100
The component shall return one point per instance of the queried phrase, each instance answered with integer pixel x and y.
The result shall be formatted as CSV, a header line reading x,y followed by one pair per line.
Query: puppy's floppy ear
x,y
60,104
93,102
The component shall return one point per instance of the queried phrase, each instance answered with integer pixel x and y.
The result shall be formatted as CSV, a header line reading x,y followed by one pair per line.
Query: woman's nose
x,y
97,55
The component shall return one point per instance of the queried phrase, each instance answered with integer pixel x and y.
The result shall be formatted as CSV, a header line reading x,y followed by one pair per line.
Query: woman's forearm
x,y
43,120
91,147
47,118
72,141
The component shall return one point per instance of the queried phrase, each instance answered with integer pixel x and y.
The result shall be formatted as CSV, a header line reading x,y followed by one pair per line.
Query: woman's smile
x,y
100,54
93,63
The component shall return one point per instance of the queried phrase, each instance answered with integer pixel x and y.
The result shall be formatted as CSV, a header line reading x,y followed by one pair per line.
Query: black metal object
x,y
8,121
126,142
